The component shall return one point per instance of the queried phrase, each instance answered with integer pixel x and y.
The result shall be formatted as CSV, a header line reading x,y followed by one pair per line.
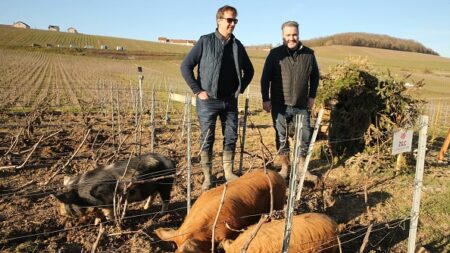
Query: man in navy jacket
x,y
224,70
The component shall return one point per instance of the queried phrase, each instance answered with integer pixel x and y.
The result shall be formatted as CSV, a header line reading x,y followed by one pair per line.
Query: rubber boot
x,y
228,160
206,165
285,163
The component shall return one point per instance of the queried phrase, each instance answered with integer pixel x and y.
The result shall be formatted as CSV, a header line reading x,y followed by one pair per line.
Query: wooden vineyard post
x,y
152,122
112,116
133,103
244,128
184,117
131,97
418,182
166,116
104,100
119,127
141,109
188,155
136,115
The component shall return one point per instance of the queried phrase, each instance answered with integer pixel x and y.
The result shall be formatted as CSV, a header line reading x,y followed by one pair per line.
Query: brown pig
x,y
310,232
246,198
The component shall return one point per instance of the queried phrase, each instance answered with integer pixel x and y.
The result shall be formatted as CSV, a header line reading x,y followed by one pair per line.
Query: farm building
x,y
176,41
183,42
20,24
163,40
54,28
103,47
72,30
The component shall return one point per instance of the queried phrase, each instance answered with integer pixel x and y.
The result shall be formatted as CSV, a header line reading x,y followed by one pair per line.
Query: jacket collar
x,y
297,50
219,36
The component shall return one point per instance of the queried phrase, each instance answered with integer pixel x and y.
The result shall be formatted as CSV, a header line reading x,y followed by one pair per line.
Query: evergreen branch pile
x,y
368,107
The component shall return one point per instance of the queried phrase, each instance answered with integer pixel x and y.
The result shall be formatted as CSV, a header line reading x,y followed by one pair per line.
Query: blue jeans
x,y
283,117
207,111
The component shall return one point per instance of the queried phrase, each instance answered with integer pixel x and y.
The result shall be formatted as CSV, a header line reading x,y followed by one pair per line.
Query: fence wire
x,y
439,122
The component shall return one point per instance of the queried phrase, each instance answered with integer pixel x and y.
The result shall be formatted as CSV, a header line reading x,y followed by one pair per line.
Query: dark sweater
x,y
228,78
291,76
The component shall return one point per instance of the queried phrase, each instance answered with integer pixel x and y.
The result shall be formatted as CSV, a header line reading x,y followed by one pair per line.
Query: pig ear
x,y
66,197
166,234
226,244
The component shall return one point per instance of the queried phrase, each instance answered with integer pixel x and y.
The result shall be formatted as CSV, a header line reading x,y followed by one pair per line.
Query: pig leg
x,y
164,188
109,214
165,206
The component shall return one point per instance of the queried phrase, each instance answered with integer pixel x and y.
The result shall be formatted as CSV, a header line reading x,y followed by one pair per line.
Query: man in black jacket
x,y
288,85
224,70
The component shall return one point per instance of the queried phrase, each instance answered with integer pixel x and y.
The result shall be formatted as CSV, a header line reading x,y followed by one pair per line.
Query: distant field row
x,y
161,61
21,70
29,77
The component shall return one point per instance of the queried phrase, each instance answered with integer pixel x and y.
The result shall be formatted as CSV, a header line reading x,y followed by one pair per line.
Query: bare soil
x,y
30,222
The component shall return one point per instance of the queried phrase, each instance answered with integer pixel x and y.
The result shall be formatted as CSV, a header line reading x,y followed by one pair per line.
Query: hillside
x,y
13,37
10,36
433,69
371,40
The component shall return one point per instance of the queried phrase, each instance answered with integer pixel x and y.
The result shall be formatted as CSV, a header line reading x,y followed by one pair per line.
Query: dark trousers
x,y
207,111
283,117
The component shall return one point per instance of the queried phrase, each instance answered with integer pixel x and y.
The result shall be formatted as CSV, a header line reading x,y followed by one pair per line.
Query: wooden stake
x,y
101,231
366,239
188,155
244,130
152,122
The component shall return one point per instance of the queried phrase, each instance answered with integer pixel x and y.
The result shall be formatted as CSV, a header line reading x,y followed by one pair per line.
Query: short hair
x,y
289,23
223,9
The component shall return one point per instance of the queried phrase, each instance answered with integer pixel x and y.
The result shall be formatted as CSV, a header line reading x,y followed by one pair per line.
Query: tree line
x,y
370,40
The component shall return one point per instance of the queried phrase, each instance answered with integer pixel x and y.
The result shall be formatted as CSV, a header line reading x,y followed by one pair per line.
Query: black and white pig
x,y
143,177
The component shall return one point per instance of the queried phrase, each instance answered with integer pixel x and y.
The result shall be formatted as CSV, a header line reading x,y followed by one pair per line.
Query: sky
x,y
427,22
